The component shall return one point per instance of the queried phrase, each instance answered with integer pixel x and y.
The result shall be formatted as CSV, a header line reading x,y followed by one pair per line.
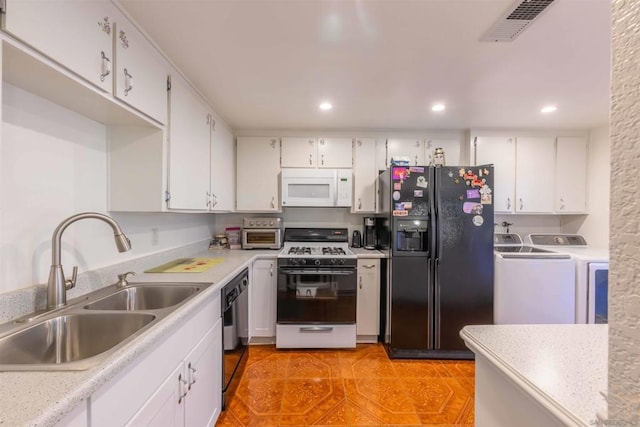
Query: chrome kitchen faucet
x,y
57,285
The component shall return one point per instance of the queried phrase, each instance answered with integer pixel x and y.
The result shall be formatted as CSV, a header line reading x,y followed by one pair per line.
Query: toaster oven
x,y
261,233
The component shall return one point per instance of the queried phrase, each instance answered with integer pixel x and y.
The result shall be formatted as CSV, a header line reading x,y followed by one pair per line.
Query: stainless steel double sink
x,y
90,328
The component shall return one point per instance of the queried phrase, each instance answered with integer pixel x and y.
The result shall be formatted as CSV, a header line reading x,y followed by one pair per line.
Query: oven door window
x,y
261,237
316,296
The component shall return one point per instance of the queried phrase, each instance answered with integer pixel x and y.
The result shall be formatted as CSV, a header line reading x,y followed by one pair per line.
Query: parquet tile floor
x,y
359,387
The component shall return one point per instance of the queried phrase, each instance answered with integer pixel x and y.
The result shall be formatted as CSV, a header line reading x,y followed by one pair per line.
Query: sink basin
x,y
147,297
69,338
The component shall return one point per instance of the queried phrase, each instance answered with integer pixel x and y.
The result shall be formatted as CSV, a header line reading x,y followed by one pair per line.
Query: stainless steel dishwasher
x,y
235,313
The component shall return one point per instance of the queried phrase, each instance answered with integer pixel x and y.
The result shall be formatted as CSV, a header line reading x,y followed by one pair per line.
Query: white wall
x,y
595,226
53,164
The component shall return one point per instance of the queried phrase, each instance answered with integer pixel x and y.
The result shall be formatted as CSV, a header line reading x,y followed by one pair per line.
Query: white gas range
x,y
317,287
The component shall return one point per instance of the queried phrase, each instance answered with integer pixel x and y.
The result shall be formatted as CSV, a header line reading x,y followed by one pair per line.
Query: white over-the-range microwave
x,y
316,187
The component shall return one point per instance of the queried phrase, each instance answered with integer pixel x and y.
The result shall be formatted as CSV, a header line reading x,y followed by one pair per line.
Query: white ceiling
x,y
267,64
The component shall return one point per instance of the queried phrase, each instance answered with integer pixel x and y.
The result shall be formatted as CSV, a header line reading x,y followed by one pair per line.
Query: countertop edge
x,y
532,390
89,381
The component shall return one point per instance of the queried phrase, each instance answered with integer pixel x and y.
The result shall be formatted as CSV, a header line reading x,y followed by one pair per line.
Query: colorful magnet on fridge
x,y
461,198
456,181
416,169
422,182
396,195
473,194
472,208
399,174
468,183
477,220
408,205
485,195
397,186
450,174
400,206
486,171
418,193
400,213
461,171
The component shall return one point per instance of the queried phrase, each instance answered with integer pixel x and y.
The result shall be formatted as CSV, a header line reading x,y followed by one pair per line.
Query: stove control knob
x,y
341,261
317,262
332,261
303,261
294,261
251,223
271,223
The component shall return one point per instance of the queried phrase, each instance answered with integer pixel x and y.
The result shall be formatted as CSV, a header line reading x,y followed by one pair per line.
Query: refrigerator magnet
x,y
397,186
417,169
469,175
408,205
396,195
400,213
400,206
450,174
472,208
399,174
418,193
461,172
422,182
456,181
485,195
477,182
477,220
473,194
486,171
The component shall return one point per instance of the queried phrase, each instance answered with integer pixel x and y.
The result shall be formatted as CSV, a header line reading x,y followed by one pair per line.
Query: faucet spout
x,y
57,285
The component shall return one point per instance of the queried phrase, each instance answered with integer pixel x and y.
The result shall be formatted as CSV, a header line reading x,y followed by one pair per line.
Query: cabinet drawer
x,y
315,336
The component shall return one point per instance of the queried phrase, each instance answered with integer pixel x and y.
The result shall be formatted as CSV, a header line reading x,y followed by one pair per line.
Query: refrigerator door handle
x,y
436,316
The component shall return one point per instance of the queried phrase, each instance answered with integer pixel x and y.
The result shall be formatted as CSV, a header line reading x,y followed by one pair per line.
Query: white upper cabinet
x,y
501,152
258,192
451,148
335,152
299,152
413,149
78,34
222,169
571,175
189,148
141,73
365,176
535,167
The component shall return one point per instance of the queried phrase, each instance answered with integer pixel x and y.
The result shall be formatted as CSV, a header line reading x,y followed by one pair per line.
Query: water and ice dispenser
x,y
411,235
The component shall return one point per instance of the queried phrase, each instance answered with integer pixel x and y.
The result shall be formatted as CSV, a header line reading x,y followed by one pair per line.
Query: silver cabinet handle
x,y
369,265
208,196
416,160
508,203
192,375
215,200
271,270
316,329
561,203
123,39
521,204
359,203
106,66
273,202
128,82
360,282
273,143
322,159
105,25
181,383
310,157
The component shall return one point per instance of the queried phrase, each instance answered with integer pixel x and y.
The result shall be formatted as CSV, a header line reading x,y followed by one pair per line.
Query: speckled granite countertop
x,y
44,398
368,253
563,367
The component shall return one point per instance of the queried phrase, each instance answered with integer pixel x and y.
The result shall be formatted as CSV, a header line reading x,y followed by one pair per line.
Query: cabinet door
x,y
501,152
141,73
299,153
365,176
368,301
189,148
262,299
451,149
165,408
571,175
258,192
77,34
535,168
335,153
203,370
222,169
410,148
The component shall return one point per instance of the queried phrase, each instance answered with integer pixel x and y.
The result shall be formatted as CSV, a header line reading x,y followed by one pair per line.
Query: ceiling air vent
x,y
515,20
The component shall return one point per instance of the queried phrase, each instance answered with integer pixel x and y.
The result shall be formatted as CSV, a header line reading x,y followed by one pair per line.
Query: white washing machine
x,y
532,285
592,273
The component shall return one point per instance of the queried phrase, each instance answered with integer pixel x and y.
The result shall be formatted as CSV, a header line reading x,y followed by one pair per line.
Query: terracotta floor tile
x,y
350,387
318,401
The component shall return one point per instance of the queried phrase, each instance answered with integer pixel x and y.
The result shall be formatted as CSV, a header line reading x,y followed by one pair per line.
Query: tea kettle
x,y
356,239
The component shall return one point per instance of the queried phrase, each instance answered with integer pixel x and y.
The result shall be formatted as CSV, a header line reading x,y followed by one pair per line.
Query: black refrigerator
x,y
439,222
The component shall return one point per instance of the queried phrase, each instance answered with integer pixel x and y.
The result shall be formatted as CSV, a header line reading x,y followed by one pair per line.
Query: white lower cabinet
x,y
262,299
176,383
185,398
368,300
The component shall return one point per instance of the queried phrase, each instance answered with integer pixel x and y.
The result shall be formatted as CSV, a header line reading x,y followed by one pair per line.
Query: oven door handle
x,y
316,272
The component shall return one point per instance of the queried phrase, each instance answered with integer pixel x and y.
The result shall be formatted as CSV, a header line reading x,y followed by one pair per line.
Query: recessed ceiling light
x,y
548,109
326,106
437,107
